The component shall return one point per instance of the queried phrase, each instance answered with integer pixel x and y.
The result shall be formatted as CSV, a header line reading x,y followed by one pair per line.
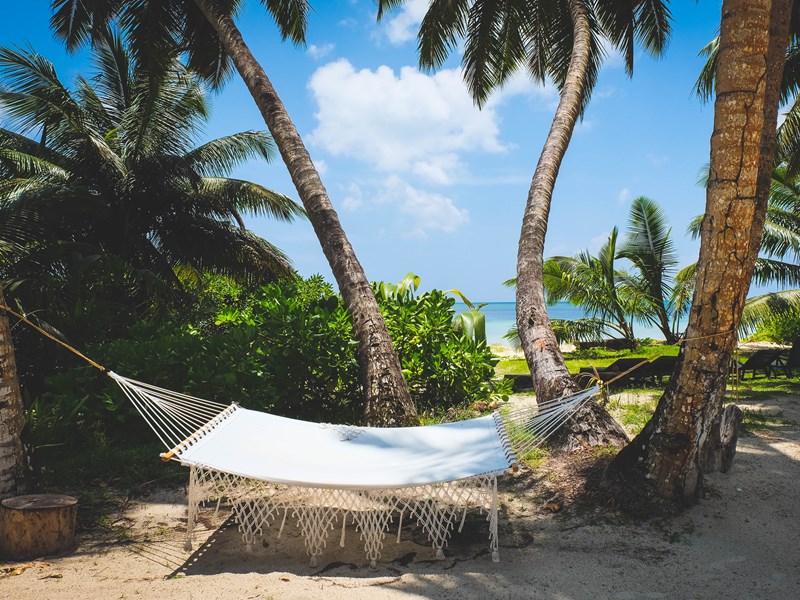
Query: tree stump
x,y
37,525
721,444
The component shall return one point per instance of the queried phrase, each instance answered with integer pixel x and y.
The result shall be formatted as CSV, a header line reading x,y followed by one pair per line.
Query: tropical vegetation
x,y
665,464
286,347
206,31
108,206
560,40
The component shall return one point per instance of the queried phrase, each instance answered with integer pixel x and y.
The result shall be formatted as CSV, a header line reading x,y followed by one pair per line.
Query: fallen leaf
x,y
553,506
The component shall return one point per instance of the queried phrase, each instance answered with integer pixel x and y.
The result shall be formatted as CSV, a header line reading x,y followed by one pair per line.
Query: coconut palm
x,y
12,417
114,182
594,283
664,466
789,131
214,45
779,259
561,40
649,247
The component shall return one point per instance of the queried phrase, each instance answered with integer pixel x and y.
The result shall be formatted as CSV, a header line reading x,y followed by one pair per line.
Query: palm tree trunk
x,y
663,467
663,321
593,425
387,400
12,419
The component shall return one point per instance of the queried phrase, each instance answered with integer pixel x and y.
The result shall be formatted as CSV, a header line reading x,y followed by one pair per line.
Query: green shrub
x,y
287,348
783,328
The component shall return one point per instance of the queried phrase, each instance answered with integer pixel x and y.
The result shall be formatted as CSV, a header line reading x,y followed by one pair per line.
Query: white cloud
x,y
438,169
613,57
423,211
318,52
584,126
354,198
403,27
603,93
597,242
400,122
624,195
545,95
658,160
321,166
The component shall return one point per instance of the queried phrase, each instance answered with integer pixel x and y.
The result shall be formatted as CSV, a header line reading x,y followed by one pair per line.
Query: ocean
x,y
501,316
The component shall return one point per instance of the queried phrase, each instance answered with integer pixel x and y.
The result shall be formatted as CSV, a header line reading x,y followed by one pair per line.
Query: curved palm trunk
x,y
666,328
386,395
663,467
663,318
12,419
593,425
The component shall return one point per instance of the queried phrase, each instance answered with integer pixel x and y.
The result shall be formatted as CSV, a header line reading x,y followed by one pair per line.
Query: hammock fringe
x,y
186,424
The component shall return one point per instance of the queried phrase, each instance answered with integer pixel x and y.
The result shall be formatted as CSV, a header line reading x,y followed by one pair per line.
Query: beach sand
x,y
741,541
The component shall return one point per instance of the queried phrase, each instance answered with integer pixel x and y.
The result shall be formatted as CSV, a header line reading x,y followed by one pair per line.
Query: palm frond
x,y
771,271
442,26
761,309
706,81
76,21
245,196
220,156
291,17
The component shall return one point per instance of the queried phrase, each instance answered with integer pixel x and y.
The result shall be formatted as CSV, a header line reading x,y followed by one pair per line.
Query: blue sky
x,y
425,182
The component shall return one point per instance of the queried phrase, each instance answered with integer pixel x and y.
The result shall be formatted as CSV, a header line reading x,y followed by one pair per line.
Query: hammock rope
x,y
179,420
264,464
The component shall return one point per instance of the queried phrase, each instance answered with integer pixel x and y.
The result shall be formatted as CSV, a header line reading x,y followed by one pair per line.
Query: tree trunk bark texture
x,y
12,418
37,525
662,469
592,425
721,446
386,395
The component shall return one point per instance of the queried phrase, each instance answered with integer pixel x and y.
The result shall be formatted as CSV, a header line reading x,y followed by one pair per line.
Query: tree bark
x,y
662,469
387,401
592,425
37,525
12,418
721,446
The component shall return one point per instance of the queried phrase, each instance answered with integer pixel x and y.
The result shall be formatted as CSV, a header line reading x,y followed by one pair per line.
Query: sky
x,y
423,180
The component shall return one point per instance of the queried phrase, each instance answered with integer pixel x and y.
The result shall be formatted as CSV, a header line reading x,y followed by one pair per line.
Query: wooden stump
x,y
37,525
721,443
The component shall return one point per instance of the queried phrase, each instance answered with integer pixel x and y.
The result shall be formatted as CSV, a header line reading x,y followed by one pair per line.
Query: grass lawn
x,y
598,357
633,406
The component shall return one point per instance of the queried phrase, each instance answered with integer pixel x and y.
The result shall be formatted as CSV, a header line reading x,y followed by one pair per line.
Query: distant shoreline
x,y
501,316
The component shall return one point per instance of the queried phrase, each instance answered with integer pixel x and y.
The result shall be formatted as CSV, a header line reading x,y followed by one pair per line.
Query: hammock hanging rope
x,y
321,474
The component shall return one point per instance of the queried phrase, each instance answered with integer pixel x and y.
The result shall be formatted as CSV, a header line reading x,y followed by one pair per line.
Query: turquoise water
x,y
501,316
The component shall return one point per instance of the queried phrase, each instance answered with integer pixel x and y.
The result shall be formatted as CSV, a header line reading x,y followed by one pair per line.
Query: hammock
x,y
322,474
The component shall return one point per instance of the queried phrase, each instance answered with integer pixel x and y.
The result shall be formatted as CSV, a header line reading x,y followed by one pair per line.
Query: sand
x,y
741,541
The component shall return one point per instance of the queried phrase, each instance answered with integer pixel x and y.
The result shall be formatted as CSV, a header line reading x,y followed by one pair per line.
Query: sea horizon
x,y
501,316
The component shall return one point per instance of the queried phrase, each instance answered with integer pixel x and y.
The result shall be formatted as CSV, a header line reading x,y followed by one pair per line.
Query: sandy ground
x,y
741,541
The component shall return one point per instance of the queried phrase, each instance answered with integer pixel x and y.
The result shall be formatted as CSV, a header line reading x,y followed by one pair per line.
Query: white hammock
x,y
322,474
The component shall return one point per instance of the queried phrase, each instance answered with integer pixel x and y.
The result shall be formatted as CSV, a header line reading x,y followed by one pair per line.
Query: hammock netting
x,y
323,476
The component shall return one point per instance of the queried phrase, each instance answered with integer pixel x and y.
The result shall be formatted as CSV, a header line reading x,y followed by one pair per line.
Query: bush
x,y
287,348
783,329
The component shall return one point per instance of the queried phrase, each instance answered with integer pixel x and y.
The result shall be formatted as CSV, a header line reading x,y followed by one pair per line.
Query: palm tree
x,y
207,31
663,466
12,418
114,183
789,131
593,282
649,247
559,39
779,257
